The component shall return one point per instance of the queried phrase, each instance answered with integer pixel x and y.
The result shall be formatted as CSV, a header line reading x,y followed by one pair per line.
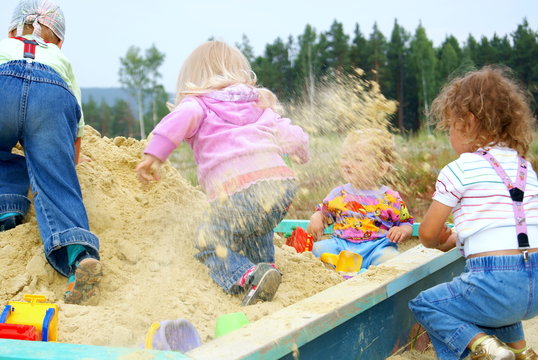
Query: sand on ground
x,y
150,274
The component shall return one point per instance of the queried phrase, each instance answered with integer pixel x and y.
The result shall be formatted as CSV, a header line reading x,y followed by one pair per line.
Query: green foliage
x,y
111,121
338,48
423,64
408,68
140,74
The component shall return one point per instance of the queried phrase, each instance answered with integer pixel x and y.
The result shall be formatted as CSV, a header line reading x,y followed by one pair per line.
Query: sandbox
x,y
151,275
365,317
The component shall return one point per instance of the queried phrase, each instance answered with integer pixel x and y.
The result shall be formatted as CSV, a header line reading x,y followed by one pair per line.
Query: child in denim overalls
x,y
238,142
40,109
492,193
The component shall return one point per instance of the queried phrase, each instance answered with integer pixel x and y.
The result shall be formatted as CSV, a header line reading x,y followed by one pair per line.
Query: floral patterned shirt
x,y
364,215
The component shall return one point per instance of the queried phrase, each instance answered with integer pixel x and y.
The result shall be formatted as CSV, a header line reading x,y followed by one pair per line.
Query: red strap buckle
x,y
29,47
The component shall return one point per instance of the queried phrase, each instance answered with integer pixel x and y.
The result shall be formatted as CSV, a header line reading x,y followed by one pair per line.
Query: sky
x,y
99,32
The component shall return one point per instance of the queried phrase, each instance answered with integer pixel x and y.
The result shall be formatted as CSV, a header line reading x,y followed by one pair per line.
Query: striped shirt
x,y
482,208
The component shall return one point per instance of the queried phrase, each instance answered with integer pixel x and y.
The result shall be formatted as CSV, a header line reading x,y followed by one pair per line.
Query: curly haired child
x,y
491,190
369,218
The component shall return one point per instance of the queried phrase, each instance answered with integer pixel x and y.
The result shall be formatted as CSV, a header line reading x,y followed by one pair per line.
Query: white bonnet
x,y
37,13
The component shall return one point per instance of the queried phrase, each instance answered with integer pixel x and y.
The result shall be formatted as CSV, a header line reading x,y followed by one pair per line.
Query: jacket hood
x,y
235,104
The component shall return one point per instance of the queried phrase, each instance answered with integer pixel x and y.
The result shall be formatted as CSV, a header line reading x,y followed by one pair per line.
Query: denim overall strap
x,y
517,192
29,47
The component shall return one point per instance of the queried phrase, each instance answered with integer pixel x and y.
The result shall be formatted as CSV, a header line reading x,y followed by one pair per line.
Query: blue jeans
x,y
371,251
38,110
492,295
238,232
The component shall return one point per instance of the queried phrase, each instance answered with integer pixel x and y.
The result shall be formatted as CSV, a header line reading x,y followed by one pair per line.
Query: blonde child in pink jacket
x,y
239,142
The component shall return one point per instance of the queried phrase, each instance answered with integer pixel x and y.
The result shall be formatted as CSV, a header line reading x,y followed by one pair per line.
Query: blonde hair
x,y
500,107
381,141
215,65
46,34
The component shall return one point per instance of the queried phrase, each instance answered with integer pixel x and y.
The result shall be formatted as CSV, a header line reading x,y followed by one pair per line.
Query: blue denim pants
x,y
371,251
492,295
38,110
238,232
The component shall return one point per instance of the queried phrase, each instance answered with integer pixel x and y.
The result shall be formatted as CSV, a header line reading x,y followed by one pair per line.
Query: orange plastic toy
x,y
300,240
32,319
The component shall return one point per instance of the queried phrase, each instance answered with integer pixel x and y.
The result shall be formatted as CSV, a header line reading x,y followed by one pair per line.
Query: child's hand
x,y
398,234
447,239
149,169
316,225
83,158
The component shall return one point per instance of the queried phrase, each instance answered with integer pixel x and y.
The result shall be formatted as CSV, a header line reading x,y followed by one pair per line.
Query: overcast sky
x,y
99,32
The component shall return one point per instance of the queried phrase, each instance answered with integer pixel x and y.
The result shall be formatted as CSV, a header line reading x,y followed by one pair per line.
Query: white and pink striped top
x,y
482,208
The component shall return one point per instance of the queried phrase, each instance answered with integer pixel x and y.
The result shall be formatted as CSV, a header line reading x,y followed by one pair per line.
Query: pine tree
x,y
377,47
359,51
424,61
338,48
396,55
448,61
91,113
306,66
246,48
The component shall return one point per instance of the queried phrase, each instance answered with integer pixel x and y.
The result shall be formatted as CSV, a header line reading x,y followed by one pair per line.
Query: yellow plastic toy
x,y
346,261
34,312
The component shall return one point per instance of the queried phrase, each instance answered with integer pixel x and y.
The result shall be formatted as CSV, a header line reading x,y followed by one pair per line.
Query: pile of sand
x,y
146,236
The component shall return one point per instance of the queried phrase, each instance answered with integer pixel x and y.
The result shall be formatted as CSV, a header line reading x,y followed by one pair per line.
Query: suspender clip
x,y
525,254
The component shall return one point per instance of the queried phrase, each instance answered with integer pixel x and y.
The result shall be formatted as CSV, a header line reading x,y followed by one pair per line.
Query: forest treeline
x,y
407,66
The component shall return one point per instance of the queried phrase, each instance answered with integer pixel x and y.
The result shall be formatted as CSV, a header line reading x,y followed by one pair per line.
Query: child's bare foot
x,y
82,287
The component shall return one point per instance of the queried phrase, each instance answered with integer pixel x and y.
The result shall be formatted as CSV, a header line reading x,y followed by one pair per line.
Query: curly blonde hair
x,y
498,103
380,141
215,65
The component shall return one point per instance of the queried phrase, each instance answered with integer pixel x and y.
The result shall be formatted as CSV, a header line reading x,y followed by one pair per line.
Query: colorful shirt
x,y
51,55
364,215
482,208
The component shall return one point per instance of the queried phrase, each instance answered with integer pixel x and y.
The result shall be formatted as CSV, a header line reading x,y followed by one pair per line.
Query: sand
x,y
150,274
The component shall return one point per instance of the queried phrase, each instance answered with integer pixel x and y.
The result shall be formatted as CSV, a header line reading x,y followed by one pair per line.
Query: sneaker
x,y
528,354
262,284
492,349
82,287
10,222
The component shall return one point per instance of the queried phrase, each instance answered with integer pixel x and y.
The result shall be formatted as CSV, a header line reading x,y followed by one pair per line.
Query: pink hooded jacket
x,y
235,142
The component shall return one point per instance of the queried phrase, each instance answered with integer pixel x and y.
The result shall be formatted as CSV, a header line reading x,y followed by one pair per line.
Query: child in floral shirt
x,y
369,219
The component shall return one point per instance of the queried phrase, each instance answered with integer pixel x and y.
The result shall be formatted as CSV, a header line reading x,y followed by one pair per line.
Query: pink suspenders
x,y
516,193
